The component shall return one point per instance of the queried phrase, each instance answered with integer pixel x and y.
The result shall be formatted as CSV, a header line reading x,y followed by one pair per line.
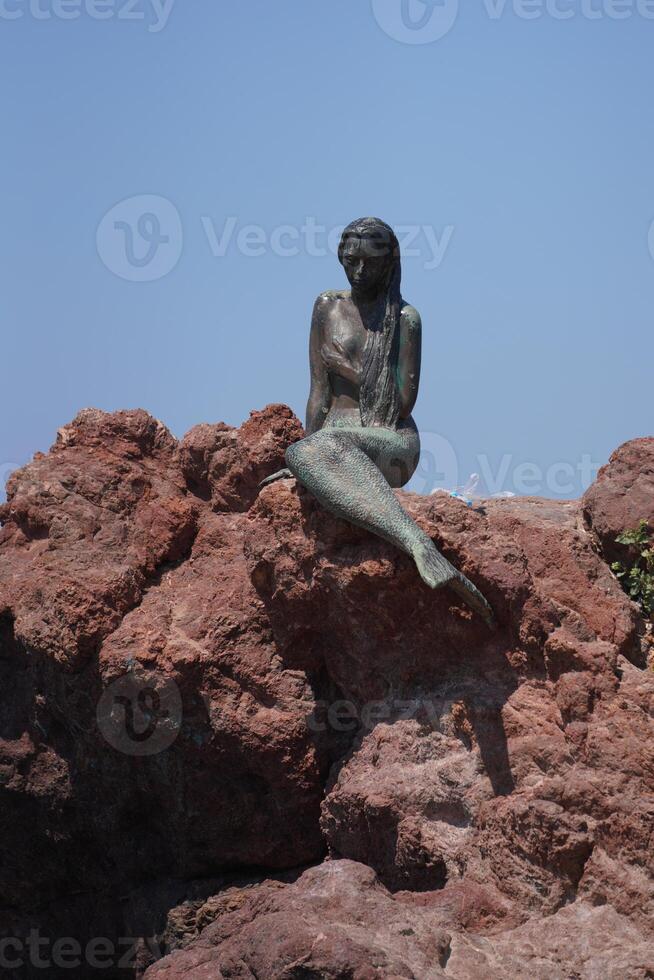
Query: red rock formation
x,y
339,922
622,495
199,681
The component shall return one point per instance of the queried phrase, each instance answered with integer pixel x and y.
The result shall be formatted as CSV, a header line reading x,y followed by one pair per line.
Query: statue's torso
x,y
343,326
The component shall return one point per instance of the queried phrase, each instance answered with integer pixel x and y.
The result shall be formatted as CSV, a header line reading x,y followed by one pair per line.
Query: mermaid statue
x,y
361,440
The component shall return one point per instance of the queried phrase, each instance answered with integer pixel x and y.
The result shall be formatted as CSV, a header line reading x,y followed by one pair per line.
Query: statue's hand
x,y
336,360
279,475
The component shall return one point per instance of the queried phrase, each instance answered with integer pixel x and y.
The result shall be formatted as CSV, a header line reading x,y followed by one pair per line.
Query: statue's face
x,y
366,261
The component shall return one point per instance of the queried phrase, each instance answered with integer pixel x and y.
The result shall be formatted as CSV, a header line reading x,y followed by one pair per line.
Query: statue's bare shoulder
x,y
326,306
332,296
410,319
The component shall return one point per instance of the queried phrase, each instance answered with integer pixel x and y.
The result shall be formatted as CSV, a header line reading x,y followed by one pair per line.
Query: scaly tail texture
x,y
335,466
437,571
473,597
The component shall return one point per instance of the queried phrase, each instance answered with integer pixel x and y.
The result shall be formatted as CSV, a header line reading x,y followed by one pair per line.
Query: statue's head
x,y
370,255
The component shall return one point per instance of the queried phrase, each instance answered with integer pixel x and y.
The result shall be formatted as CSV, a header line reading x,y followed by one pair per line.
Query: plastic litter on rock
x,y
469,494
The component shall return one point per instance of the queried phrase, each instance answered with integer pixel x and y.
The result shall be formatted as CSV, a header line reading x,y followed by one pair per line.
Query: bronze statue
x,y
360,437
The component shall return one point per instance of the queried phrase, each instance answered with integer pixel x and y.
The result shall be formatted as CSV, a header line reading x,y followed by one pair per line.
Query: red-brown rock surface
x,y
339,922
622,495
199,683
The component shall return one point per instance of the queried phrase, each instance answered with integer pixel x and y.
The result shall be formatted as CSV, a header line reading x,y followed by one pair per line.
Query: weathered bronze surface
x,y
361,439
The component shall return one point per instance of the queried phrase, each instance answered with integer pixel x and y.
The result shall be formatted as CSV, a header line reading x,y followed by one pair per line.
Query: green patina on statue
x,y
361,440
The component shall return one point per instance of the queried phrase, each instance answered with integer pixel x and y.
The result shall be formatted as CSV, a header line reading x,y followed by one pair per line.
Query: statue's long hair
x,y
379,398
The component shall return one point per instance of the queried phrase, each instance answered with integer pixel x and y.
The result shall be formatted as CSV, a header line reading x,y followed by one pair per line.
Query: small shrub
x,y
638,578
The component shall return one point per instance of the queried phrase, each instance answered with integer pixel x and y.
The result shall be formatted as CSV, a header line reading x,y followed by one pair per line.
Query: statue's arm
x,y
408,367
320,392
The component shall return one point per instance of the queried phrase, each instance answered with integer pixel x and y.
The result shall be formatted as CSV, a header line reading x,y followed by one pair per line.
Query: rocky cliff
x,y
242,739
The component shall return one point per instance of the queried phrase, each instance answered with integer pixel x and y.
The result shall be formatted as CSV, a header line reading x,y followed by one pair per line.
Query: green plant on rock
x,y
638,578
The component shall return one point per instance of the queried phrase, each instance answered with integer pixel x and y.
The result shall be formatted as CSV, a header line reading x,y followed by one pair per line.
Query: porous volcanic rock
x,y
203,683
622,496
117,583
339,923
225,465
337,920
85,529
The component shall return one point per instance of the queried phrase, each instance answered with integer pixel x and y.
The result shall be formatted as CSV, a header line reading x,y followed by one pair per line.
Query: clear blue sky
x,y
524,146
